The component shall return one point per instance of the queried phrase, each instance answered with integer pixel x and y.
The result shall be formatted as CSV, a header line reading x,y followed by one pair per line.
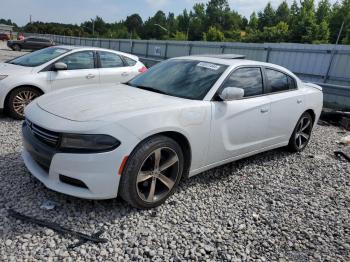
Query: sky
x,y
77,11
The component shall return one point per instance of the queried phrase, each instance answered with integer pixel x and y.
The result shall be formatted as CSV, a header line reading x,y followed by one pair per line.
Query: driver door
x,y
240,126
81,71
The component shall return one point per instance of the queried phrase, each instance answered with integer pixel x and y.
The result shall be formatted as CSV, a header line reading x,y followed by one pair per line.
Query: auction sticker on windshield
x,y
208,65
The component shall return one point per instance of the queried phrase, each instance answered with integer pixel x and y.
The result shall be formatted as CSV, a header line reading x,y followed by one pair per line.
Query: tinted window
x,y
39,57
181,78
279,81
109,60
129,61
249,79
80,60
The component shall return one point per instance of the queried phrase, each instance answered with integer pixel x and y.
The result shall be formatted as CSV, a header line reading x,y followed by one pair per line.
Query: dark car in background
x,y
4,37
32,43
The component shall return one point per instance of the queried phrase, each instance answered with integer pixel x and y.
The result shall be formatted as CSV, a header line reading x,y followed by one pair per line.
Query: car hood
x,y
10,69
99,102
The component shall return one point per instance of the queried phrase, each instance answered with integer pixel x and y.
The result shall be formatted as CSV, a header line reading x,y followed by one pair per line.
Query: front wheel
x,y
301,134
19,99
152,172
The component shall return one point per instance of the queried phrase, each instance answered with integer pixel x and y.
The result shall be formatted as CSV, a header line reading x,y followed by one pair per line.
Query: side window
x,y
279,81
79,60
250,79
110,60
129,61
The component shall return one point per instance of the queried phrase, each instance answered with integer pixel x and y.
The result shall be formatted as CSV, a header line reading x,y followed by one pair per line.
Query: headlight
x,y
88,143
3,77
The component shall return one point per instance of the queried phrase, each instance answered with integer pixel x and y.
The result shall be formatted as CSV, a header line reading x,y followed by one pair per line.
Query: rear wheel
x,y
301,134
152,172
16,48
19,99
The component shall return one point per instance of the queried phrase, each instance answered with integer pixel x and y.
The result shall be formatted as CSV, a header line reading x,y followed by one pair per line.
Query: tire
x,y
302,133
136,186
18,99
16,48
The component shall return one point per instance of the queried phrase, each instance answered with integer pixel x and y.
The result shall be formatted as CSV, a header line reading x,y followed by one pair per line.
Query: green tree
x,y
283,13
340,14
214,34
306,27
134,24
216,13
197,22
253,21
267,18
323,12
180,36
276,34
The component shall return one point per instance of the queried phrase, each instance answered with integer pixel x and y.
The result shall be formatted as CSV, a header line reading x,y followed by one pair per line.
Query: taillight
x,y
143,69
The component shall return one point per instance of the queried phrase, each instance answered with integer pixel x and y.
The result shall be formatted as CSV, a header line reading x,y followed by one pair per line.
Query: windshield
x,y
181,78
38,57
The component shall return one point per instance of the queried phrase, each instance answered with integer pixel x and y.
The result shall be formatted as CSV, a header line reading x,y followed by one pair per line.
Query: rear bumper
x,y
89,176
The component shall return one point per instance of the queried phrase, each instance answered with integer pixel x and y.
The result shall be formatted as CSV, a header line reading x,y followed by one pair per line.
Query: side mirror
x,y
60,66
232,93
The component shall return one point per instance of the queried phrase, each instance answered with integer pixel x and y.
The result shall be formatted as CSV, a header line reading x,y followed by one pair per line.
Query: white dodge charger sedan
x,y
25,78
180,118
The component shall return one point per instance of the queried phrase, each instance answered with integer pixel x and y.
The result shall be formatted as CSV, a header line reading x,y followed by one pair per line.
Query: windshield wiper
x,y
151,89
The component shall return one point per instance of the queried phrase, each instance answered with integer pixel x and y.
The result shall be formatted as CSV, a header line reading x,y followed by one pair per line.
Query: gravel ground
x,y
273,206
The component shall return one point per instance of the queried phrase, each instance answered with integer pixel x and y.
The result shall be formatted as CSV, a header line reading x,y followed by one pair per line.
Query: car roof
x,y
82,48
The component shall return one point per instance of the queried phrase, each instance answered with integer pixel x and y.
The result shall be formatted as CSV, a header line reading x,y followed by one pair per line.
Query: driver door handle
x,y
90,76
264,110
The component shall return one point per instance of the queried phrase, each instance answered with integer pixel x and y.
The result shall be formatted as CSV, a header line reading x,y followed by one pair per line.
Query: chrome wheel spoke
x,y
305,126
304,135
152,190
172,161
157,156
166,181
143,176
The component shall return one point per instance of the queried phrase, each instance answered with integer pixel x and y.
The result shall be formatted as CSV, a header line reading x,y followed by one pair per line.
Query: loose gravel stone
x,y
275,206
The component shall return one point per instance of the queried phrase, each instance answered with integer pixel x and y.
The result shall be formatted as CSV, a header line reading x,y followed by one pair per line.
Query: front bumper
x,y
89,176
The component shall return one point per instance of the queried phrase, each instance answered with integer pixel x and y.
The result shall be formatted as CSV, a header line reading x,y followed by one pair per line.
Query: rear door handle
x,y
125,74
264,110
90,76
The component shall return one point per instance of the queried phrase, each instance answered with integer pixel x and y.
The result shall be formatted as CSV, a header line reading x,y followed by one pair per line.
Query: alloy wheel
x,y
157,175
22,99
303,133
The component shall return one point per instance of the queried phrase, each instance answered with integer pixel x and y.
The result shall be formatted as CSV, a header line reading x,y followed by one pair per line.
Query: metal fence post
x,y
132,47
223,49
268,49
166,50
119,45
325,78
190,50
147,46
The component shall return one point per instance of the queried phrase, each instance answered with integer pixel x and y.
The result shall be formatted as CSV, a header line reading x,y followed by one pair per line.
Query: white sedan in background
x,y
25,78
180,118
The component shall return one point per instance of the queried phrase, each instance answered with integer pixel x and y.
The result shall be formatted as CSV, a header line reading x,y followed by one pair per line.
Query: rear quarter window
x,y
279,81
129,61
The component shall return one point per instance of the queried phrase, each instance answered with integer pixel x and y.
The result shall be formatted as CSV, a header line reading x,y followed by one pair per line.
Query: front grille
x,y
46,136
